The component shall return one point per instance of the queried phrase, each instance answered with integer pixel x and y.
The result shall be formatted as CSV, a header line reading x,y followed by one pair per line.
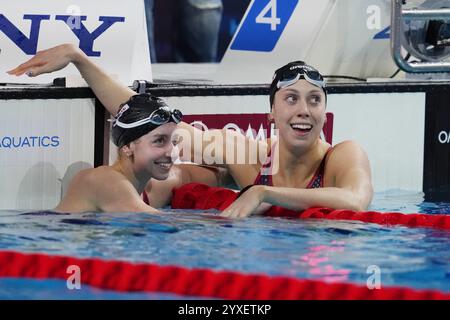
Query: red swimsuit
x,y
145,197
264,177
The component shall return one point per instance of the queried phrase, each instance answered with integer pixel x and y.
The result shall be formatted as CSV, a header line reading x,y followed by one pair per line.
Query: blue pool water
x,y
332,251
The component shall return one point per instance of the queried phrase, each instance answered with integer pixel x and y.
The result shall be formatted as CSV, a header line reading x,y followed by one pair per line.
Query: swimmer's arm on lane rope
x,y
290,198
352,188
107,89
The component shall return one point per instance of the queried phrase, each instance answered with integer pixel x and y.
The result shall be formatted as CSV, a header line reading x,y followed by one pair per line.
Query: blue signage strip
x,y
264,25
383,34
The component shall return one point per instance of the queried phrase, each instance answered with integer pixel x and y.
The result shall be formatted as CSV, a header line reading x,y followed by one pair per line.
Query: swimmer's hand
x,y
251,202
48,61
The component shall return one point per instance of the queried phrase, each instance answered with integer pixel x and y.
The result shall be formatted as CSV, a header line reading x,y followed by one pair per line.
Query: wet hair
x,y
278,75
139,107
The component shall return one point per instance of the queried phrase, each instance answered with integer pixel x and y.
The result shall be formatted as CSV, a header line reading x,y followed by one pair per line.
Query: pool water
x,y
332,251
407,202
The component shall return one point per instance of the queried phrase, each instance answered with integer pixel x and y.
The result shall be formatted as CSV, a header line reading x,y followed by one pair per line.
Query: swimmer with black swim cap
x,y
140,115
142,130
136,119
291,73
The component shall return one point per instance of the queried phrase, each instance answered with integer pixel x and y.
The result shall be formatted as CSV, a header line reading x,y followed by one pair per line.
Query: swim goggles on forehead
x,y
295,73
158,117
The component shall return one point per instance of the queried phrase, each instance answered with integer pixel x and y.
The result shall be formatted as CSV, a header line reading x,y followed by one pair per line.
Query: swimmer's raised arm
x,y
112,94
108,90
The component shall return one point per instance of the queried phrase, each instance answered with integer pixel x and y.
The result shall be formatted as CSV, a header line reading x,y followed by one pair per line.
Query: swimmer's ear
x,y
127,150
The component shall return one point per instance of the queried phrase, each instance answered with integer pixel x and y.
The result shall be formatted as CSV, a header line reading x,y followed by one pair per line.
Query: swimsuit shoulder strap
x,y
145,197
264,176
317,179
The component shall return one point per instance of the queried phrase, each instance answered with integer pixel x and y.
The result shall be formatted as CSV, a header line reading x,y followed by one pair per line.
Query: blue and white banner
x,y
112,34
42,143
349,38
264,24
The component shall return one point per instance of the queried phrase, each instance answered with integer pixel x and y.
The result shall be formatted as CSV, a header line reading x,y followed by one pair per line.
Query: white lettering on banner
x,y
374,19
444,137
273,20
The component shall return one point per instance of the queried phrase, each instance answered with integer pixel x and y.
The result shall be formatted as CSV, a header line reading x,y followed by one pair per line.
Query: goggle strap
x,y
176,120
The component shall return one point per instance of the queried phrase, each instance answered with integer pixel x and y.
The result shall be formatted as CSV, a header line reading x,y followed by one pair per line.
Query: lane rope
x,y
144,277
202,197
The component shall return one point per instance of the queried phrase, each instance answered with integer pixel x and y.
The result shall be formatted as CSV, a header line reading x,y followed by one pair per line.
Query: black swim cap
x,y
139,107
292,72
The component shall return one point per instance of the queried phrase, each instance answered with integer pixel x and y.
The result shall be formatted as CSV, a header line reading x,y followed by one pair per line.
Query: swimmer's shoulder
x,y
111,191
345,149
80,196
346,154
96,176
342,159
94,182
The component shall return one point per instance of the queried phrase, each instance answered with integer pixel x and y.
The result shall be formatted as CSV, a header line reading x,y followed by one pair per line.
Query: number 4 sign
x,y
264,25
273,20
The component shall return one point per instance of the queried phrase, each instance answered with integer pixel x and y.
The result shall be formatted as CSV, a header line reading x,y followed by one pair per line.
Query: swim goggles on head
x,y
158,117
295,73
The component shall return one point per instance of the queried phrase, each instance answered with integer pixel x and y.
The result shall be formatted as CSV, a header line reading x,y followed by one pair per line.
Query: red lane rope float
x,y
127,277
202,197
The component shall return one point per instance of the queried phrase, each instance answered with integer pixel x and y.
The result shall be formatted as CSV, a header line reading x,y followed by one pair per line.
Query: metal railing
x,y
397,17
